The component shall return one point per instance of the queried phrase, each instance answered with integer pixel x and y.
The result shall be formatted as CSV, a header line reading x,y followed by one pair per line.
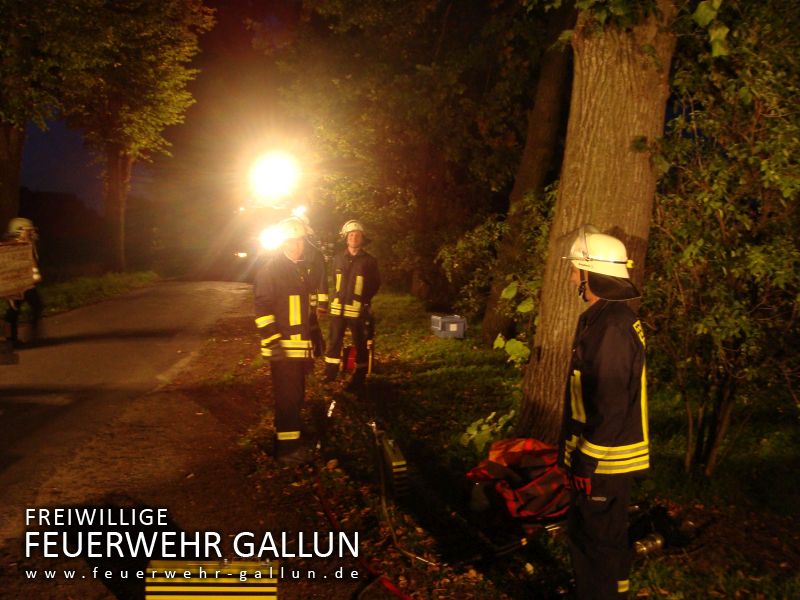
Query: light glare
x,y
271,237
274,176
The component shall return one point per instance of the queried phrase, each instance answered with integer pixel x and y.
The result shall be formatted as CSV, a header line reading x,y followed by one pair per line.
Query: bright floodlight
x,y
274,175
271,237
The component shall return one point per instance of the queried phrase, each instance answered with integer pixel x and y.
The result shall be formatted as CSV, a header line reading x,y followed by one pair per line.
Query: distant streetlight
x,y
273,177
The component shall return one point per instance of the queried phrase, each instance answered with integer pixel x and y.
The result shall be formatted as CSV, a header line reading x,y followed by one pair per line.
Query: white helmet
x,y
599,253
352,225
292,228
606,261
19,225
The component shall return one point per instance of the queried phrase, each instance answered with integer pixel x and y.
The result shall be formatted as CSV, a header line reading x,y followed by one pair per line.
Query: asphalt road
x,y
89,365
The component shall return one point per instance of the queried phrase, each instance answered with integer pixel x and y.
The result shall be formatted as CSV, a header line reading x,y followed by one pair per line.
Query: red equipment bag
x,y
349,358
524,472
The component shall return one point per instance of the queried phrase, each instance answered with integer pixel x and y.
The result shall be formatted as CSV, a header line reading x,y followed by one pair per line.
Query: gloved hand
x,y
582,485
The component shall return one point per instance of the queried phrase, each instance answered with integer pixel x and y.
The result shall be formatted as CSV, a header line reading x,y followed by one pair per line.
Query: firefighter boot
x,y
331,371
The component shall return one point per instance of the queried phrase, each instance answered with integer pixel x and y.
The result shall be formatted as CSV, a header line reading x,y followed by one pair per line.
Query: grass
x,y
58,297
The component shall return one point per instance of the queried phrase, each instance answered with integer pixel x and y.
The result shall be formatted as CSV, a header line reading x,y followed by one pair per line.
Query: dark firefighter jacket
x,y
317,277
282,295
605,413
356,281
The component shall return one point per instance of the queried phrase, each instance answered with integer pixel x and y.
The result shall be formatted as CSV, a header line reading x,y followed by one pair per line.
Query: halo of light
x,y
271,237
274,176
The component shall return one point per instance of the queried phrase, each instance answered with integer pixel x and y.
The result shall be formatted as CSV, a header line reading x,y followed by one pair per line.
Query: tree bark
x,y
619,92
12,141
117,185
544,124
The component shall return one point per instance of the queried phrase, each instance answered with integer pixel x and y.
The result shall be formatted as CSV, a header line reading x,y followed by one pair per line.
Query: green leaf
x,y
517,351
718,33
499,342
704,14
745,96
509,291
525,306
661,164
481,439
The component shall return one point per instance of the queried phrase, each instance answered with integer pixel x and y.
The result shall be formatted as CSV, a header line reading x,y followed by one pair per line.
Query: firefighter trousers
x,y
15,307
333,360
597,528
288,388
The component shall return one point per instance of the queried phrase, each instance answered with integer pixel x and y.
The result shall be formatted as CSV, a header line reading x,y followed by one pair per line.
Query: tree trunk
x,y
117,184
12,141
723,423
619,92
544,124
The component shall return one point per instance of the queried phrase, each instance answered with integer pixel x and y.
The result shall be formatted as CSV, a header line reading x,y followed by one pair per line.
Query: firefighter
x,y
604,441
356,281
282,292
23,230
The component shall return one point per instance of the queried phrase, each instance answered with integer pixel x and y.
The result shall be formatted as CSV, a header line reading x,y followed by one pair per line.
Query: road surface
x,y
90,366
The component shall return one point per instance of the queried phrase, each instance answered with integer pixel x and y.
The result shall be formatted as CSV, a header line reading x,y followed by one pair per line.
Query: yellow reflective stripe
x,y
297,336
569,447
270,339
615,467
306,353
612,452
643,393
359,285
332,361
623,586
296,343
288,435
639,331
322,297
295,318
265,320
576,397
338,281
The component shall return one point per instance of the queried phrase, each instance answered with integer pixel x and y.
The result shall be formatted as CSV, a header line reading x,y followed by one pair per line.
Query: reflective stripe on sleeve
x,y
270,339
264,321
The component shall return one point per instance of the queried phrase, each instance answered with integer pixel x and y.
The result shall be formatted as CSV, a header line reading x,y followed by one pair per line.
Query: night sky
x,y
56,161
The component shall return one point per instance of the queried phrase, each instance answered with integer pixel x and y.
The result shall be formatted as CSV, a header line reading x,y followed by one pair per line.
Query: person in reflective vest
x,y
356,281
604,441
282,292
23,230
